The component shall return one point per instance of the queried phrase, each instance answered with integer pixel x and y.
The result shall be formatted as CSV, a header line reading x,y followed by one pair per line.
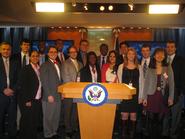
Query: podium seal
x,y
95,94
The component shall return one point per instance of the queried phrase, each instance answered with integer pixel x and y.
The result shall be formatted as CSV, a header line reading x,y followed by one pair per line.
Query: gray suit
x,y
151,82
69,74
51,111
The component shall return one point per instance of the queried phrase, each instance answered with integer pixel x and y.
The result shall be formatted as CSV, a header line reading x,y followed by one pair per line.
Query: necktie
x,y
144,68
61,58
24,61
84,59
55,62
93,70
103,61
169,60
7,72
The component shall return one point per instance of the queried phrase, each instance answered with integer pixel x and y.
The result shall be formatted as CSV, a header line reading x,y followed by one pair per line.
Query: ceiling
x,y
21,13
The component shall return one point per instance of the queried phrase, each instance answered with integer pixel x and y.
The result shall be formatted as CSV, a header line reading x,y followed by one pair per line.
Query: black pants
x,y
155,124
29,119
171,124
70,115
8,107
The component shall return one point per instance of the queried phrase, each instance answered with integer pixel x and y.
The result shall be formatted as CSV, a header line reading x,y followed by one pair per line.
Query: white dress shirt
x,y
27,58
93,75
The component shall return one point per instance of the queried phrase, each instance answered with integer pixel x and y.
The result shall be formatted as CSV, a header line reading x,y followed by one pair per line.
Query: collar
x,y
35,67
172,57
4,59
22,54
73,60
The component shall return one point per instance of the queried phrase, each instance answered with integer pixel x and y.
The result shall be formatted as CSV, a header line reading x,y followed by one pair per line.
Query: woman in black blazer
x,y
29,98
91,72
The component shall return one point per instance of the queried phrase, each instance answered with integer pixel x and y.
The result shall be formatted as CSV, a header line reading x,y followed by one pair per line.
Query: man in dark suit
x,y
23,59
8,79
82,53
102,59
60,57
42,52
30,98
23,56
51,78
178,66
123,48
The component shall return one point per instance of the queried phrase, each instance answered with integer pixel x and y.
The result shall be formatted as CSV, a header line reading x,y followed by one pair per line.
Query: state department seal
x,y
95,94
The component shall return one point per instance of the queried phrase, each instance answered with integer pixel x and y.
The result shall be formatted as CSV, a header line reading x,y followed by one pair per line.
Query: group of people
x,y
29,82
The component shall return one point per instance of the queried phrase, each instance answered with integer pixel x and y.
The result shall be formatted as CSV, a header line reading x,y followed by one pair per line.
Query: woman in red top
x,y
109,70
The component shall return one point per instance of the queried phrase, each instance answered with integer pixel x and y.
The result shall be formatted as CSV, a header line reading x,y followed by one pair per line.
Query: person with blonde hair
x,y
128,73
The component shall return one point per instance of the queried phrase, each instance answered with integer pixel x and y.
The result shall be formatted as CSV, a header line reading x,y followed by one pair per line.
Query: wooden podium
x,y
97,122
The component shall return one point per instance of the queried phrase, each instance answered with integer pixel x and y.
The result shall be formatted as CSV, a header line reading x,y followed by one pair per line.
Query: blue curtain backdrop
x,y
14,35
177,35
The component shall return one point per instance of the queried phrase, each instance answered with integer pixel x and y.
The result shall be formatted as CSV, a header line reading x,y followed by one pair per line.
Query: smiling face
x,y
112,58
34,58
123,49
25,47
131,55
170,48
73,53
92,60
52,53
145,52
84,46
5,50
159,56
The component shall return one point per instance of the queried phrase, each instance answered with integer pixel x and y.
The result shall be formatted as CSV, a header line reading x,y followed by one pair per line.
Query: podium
x,y
96,122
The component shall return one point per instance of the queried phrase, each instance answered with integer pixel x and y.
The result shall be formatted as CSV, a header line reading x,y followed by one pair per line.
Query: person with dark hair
x,y
23,56
30,97
144,64
42,52
8,81
22,59
102,59
123,48
158,92
82,53
109,70
91,72
70,71
59,45
51,78
128,73
172,128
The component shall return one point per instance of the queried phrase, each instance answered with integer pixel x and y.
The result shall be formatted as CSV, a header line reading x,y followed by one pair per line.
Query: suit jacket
x,y
99,61
17,57
69,72
85,74
141,78
50,80
120,59
178,66
150,83
29,84
12,75
79,58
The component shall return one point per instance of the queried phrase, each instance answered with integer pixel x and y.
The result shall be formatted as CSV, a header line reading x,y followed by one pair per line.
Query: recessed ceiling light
x,y
49,7
164,8
102,39
110,7
102,8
